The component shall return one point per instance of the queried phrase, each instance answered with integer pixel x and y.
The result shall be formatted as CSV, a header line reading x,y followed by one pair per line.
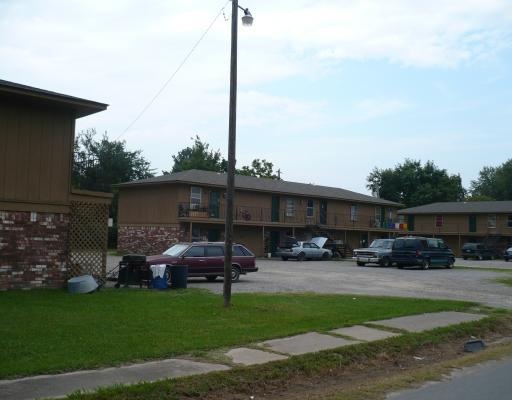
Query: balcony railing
x,y
259,215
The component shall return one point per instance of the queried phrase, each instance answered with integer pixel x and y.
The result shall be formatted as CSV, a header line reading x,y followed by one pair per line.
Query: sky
x,y
328,90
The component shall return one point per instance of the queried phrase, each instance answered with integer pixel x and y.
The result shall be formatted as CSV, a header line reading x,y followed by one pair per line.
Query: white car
x,y
306,250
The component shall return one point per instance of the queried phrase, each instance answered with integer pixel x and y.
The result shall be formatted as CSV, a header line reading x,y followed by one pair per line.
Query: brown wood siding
x,y
36,154
149,205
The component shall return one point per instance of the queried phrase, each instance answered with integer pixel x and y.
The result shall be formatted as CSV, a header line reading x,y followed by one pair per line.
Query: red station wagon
x,y
206,259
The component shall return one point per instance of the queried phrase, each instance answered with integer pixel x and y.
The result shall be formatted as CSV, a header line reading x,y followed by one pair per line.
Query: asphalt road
x,y
484,381
345,277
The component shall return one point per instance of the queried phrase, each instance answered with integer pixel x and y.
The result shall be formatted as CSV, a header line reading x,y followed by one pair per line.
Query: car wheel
x,y
425,264
360,264
450,264
464,258
301,257
235,273
211,278
386,262
284,258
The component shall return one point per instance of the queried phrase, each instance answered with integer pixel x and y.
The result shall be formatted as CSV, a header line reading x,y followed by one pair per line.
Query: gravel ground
x,y
345,277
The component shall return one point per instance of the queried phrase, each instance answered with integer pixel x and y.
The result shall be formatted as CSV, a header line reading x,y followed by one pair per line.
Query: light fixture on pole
x,y
230,184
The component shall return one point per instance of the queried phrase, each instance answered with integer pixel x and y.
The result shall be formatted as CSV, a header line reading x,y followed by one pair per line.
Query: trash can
x,y
179,276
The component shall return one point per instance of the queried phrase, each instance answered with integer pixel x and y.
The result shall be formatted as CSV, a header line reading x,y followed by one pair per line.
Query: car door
x,y
195,258
214,259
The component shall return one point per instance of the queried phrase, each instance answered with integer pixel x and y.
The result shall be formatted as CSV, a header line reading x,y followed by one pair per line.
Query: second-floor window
x,y
509,221
353,212
439,220
310,210
491,221
195,197
290,207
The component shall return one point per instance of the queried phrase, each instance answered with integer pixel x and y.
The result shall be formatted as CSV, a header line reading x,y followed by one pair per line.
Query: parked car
x,y
478,251
421,251
507,254
305,250
379,252
206,259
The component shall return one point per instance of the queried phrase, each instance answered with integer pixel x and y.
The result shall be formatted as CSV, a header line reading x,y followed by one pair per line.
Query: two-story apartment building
x,y
190,205
487,222
48,232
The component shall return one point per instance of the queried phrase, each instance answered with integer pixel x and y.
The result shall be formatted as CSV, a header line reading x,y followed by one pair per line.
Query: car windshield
x,y
381,243
175,250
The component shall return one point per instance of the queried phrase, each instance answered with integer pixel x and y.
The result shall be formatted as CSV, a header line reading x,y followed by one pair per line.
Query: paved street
x,y
345,277
484,381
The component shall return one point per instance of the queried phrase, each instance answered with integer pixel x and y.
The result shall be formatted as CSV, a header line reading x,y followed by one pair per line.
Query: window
x,y
310,208
215,251
377,217
353,212
509,221
33,216
195,197
290,208
491,221
195,251
439,220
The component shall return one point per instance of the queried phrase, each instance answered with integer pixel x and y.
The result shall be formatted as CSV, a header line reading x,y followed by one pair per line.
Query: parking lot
x,y
345,277
336,276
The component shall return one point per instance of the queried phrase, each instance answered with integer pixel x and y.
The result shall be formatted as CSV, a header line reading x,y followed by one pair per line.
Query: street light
x,y
230,189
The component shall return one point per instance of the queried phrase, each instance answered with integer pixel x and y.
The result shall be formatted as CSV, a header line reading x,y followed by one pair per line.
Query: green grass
x,y
48,331
505,281
501,270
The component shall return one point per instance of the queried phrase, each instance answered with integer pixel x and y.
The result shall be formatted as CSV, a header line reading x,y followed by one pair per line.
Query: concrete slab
x,y
306,343
425,322
247,356
364,333
44,386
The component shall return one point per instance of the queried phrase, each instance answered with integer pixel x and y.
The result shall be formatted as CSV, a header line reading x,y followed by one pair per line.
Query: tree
x,y
100,164
412,184
198,157
260,169
493,183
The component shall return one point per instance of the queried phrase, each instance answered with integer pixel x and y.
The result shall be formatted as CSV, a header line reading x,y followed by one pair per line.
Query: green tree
x,y
493,183
199,156
412,184
99,164
260,169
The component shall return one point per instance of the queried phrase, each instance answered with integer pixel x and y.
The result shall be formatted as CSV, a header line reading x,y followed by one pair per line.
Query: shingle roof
x,y
461,207
195,176
80,107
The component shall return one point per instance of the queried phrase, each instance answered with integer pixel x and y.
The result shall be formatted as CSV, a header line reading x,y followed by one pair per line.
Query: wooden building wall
x,y
35,156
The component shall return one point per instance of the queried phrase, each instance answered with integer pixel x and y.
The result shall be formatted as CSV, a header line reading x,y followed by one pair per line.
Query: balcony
x,y
245,215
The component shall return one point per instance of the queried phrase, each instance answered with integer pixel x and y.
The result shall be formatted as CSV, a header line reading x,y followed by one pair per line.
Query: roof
x,y
32,95
461,207
218,179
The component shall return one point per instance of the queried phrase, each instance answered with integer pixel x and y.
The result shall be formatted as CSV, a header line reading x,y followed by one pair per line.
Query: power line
x,y
176,71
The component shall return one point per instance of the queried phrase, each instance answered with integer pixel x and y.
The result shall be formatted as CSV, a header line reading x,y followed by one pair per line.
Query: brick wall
x,y
33,249
149,239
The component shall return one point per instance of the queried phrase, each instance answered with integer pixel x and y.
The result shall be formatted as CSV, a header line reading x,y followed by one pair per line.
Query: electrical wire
x,y
176,71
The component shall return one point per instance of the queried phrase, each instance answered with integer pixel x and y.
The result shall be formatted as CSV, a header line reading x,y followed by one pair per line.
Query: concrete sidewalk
x,y
271,350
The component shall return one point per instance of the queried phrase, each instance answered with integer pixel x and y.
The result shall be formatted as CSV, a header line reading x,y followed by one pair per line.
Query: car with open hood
x,y
307,250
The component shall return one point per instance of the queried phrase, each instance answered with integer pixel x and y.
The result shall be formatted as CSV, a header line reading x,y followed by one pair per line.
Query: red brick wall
x,y
149,239
33,253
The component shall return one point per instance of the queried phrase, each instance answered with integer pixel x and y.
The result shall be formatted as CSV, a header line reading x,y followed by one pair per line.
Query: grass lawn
x,y
48,331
